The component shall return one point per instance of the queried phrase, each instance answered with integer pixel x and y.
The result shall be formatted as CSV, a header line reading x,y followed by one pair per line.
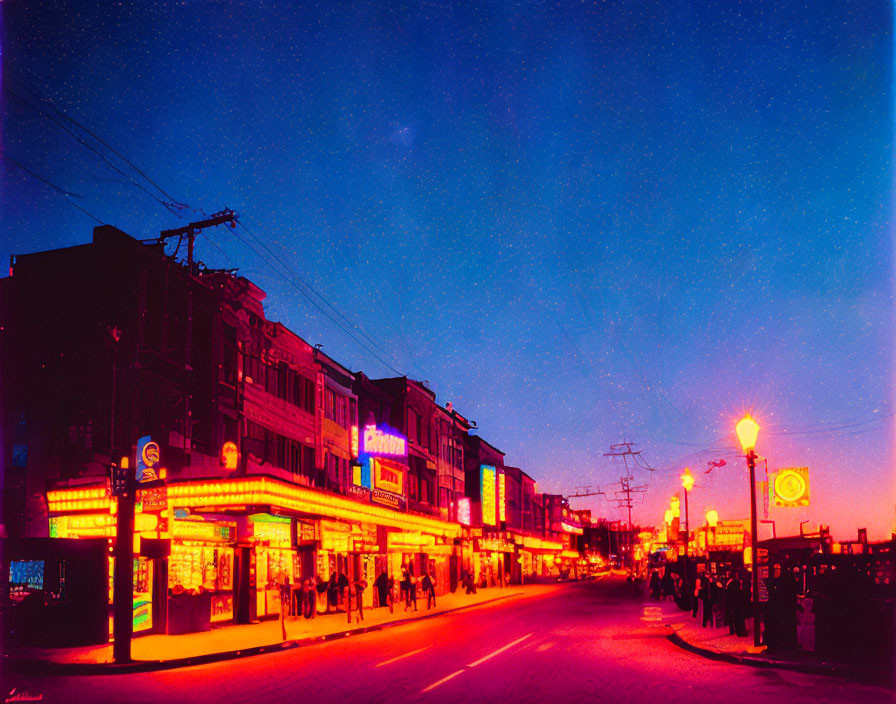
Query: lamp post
x,y
687,481
712,519
747,430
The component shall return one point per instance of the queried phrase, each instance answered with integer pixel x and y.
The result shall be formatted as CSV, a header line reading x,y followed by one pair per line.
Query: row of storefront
x,y
221,551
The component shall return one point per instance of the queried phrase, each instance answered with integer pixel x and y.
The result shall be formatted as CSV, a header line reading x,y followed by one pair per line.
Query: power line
x,y
298,288
316,293
66,195
172,208
174,202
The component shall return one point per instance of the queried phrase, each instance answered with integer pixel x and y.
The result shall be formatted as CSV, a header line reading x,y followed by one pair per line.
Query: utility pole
x,y
190,231
623,499
124,488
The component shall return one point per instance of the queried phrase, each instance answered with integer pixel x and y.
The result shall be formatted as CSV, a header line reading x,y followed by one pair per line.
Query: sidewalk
x,y
227,642
717,644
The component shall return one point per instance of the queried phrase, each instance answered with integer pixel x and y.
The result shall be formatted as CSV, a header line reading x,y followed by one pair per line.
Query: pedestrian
x,y
430,591
381,583
654,586
404,586
285,593
667,585
706,598
740,608
332,594
343,586
412,589
357,590
732,597
695,607
320,593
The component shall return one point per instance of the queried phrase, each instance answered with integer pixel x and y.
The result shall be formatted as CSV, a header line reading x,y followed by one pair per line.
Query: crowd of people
x,y
314,595
724,597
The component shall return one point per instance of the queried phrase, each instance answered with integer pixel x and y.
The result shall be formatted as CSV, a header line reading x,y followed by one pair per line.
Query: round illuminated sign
x,y
230,455
790,486
151,454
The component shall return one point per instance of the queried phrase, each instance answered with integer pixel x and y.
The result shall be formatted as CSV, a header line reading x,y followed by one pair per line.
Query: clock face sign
x,y
792,487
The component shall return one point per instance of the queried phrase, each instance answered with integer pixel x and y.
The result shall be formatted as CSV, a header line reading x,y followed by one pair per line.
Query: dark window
x,y
229,362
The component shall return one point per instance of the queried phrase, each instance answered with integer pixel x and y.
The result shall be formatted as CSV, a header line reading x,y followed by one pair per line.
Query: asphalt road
x,y
588,641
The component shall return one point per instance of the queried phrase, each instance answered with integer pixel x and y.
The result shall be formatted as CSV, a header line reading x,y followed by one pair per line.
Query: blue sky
x,y
580,223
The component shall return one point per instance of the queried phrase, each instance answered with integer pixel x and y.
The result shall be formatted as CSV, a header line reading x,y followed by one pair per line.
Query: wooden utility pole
x,y
190,231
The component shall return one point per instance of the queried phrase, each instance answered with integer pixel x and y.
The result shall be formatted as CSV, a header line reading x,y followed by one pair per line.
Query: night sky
x,y
581,223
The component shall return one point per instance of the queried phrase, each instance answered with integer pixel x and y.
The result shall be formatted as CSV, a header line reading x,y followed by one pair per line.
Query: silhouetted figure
x,y
696,596
668,585
654,586
382,588
332,594
429,590
706,598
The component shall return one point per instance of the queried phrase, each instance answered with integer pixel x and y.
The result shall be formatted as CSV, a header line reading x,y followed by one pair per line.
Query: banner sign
x,y
488,481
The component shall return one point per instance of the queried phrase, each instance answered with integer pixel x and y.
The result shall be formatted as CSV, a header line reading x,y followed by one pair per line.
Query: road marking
x,y
652,613
442,681
544,646
401,657
499,651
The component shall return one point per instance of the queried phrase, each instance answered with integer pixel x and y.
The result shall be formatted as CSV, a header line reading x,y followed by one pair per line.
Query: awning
x,y
267,491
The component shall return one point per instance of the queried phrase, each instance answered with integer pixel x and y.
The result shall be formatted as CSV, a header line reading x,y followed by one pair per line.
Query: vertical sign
x,y
502,497
489,489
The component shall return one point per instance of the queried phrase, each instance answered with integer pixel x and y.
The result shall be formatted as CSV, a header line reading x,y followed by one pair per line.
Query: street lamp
x,y
747,430
687,481
712,519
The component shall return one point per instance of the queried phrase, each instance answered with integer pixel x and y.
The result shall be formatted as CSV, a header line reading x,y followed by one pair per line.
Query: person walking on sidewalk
x,y
429,590
706,598
668,586
381,584
412,589
695,607
332,594
654,586
405,586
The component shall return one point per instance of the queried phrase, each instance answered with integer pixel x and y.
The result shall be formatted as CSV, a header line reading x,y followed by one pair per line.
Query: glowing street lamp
x,y
747,431
687,481
712,519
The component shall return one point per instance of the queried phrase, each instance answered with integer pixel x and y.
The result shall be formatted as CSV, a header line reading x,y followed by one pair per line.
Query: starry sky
x,y
581,223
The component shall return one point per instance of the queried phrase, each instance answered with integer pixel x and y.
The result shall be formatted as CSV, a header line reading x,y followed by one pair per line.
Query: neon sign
x,y
502,497
388,478
489,489
147,459
354,441
378,442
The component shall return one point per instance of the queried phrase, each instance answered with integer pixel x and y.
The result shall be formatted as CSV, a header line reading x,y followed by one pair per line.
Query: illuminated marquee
x,y
379,442
489,489
388,478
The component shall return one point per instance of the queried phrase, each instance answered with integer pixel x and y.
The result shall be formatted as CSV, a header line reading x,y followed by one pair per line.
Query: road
x,y
587,640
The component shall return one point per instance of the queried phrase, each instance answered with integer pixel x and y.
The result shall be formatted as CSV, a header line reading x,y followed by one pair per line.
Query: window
x,y
230,355
330,404
412,485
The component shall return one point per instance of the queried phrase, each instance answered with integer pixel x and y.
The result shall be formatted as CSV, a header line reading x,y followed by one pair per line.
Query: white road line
x,y
443,680
401,657
499,651
545,646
